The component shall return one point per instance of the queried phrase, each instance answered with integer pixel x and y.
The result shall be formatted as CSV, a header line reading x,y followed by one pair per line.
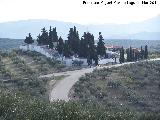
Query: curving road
x,y
61,90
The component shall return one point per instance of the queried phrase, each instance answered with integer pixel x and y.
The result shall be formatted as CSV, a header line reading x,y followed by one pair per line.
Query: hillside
x,y
115,93
21,71
134,87
149,28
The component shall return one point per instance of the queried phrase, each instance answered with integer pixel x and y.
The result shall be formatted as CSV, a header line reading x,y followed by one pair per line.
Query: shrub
x,y
114,84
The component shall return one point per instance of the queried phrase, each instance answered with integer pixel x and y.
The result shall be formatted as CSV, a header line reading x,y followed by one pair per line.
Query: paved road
x,y
61,90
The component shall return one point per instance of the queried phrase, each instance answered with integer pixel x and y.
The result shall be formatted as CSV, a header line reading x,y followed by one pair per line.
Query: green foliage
x,y
146,52
127,87
48,38
135,54
29,39
101,50
90,51
67,50
17,106
121,59
44,38
73,40
60,46
142,53
114,84
52,37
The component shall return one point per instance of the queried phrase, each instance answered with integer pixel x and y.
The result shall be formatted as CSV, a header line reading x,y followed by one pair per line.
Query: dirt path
x,y
61,90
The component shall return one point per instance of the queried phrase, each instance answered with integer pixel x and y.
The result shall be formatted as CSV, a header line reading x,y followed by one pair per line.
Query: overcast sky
x,y
74,11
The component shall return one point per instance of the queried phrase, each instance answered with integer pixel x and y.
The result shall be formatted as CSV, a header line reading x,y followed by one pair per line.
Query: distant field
x,y
8,44
133,43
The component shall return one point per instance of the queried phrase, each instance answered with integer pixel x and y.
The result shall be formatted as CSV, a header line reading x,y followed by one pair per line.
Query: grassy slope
x,y
135,87
15,74
20,71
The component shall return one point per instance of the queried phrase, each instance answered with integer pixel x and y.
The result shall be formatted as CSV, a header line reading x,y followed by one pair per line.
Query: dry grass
x,y
134,87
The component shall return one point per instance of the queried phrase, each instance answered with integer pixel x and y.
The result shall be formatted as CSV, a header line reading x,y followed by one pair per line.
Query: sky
x,y
77,12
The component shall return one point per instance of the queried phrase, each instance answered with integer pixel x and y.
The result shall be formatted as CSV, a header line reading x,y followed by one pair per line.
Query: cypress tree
x,y
60,46
67,50
146,52
142,53
130,54
96,58
136,56
121,59
133,55
83,48
54,35
88,48
39,40
50,38
101,50
73,40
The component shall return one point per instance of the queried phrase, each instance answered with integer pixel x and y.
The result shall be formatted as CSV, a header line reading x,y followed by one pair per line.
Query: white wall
x,y
43,50
67,61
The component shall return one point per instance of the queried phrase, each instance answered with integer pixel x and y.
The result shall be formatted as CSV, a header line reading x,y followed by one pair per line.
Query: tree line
x,y
133,55
82,47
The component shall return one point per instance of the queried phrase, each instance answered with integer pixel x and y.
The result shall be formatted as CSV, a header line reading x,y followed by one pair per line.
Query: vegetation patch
x,y
20,71
61,77
18,106
134,87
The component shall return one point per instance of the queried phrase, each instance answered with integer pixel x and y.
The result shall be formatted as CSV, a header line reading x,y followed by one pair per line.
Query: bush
x,y
18,106
114,84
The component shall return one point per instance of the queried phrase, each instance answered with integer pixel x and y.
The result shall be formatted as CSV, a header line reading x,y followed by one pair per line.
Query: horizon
x,y
12,21
38,19
75,12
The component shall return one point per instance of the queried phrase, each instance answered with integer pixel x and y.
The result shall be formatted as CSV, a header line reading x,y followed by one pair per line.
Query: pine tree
x,y
29,39
44,37
121,59
101,50
60,46
146,52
